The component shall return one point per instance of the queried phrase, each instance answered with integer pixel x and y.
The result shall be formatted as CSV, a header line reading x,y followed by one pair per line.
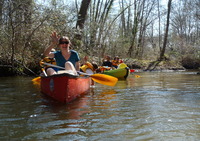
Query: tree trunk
x,y
159,31
123,20
134,31
82,14
166,32
1,11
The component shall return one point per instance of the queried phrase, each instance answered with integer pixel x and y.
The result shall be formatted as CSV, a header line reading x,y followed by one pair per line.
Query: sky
x,y
163,2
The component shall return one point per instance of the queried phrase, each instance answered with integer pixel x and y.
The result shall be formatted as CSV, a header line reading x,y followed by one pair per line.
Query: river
x,y
156,106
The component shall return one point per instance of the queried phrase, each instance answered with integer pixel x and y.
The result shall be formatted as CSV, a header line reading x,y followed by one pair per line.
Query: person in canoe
x,y
116,61
107,61
87,67
45,67
48,60
106,65
69,59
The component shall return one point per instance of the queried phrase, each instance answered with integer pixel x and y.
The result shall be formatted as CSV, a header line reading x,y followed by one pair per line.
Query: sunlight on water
x,y
154,106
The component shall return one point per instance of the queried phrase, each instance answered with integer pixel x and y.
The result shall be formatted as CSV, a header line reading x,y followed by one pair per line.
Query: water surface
x,y
155,106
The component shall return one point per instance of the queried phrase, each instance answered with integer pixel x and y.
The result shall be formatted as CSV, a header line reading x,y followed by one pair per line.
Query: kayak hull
x,y
65,87
121,73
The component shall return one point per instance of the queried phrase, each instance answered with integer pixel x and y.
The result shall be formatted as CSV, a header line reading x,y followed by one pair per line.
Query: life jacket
x,y
86,66
104,68
49,60
115,62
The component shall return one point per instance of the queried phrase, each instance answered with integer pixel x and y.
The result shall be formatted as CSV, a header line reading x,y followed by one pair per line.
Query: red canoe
x,y
65,87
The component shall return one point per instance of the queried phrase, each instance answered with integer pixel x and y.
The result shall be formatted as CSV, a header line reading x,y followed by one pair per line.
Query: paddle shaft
x,y
44,72
48,64
79,72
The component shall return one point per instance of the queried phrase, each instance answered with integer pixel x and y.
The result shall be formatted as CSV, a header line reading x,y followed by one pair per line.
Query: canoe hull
x,y
64,87
121,73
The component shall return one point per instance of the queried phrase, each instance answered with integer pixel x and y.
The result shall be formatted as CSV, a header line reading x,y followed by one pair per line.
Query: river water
x,y
156,106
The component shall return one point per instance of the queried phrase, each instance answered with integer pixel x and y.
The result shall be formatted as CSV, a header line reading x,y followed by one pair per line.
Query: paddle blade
x,y
104,79
36,80
137,76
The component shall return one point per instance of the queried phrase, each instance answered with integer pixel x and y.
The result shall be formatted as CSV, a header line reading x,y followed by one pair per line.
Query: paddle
x,y
102,78
99,78
38,79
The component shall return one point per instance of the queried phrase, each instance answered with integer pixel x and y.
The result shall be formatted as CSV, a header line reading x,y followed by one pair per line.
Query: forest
x,y
144,33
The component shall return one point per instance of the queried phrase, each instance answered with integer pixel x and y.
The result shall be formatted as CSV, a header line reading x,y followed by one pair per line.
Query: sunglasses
x,y
64,42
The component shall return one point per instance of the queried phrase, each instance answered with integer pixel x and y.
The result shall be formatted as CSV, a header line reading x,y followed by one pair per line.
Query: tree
x,y
1,10
166,31
97,23
82,13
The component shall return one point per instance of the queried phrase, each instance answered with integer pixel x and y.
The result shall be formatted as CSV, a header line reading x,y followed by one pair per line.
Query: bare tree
x,y
159,25
142,12
99,13
1,10
166,31
82,13
134,29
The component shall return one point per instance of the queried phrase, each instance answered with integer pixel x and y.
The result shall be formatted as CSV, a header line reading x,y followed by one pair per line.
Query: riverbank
x,y
148,65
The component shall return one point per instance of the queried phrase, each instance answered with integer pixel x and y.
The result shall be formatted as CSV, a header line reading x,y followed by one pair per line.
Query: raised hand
x,y
54,38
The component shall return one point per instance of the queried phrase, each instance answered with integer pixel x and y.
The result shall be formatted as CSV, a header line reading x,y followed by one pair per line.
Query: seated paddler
x,y
89,68
65,57
49,61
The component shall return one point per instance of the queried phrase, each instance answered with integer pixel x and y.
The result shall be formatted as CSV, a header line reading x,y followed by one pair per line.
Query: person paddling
x,y
107,61
69,59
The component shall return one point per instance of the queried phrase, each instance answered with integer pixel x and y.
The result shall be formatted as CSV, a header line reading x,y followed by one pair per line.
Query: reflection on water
x,y
155,106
